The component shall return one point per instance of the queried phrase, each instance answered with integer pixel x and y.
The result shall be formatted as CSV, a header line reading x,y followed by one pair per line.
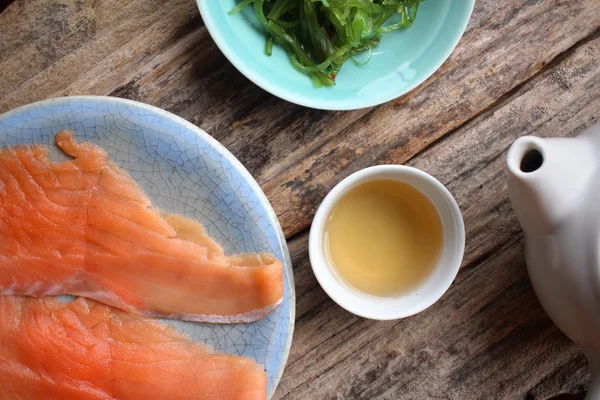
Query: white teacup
x,y
432,288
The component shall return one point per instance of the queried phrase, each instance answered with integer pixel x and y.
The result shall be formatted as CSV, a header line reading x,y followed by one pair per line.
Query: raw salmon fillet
x,y
84,227
84,350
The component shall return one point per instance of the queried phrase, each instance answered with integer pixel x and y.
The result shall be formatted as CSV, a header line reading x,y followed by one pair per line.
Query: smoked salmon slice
x,y
84,350
84,227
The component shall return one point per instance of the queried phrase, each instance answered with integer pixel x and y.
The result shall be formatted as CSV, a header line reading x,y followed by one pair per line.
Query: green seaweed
x,y
319,36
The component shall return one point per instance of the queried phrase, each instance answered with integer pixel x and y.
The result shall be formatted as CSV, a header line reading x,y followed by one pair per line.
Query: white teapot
x,y
554,188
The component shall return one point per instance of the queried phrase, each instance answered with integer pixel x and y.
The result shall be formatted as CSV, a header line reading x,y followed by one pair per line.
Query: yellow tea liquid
x,y
383,237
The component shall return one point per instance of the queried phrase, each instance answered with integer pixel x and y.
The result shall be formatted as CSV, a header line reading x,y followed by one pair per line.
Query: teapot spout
x,y
546,178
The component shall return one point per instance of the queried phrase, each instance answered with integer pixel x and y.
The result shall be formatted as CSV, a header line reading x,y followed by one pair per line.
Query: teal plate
x,y
185,171
404,59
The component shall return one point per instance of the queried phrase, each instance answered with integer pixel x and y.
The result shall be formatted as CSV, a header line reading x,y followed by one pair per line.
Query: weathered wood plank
x,y
46,46
563,101
484,68
455,350
158,52
489,324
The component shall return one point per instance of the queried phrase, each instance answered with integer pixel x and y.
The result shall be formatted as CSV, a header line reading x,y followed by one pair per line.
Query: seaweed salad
x,y
319,36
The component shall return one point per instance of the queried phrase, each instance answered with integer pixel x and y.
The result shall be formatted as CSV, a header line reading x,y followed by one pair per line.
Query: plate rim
x,y
234,162
329,105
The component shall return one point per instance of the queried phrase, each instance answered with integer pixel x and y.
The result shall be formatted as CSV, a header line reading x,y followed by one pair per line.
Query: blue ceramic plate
x,y
403,60
184,171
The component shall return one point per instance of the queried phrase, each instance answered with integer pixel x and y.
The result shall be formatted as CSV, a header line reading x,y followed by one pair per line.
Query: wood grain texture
x,y
488,337
163,56
523,67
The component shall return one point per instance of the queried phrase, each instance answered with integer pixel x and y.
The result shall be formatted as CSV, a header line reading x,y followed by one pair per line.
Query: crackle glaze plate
x,y
183,170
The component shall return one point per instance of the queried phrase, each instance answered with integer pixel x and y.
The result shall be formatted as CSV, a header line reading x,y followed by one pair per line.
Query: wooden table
x,y
523,67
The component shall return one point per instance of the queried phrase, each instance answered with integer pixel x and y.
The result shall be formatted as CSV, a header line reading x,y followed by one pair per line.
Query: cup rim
x,y
345,295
